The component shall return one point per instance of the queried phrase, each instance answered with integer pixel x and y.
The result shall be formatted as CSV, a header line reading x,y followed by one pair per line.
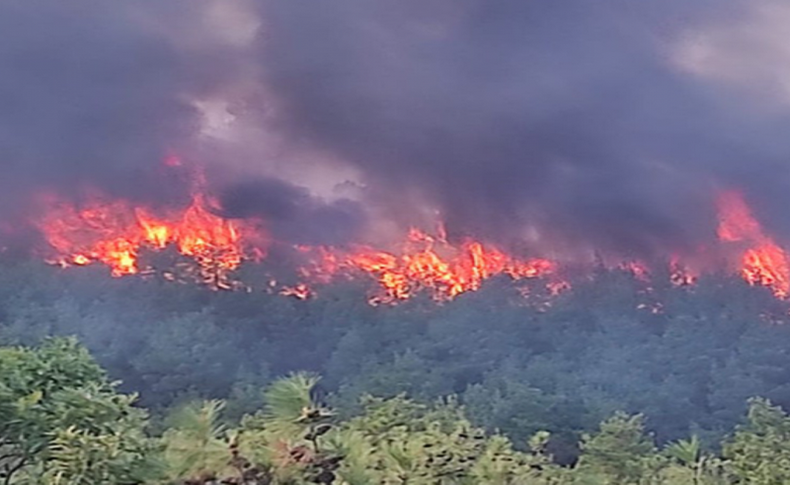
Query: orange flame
x,y
114,233
426,263
763,262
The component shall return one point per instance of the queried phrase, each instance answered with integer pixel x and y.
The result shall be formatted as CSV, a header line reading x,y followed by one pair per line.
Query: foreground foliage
x,y
687,357
63,423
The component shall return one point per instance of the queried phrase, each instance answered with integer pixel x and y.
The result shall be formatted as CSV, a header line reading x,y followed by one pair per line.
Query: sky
x,y
570,125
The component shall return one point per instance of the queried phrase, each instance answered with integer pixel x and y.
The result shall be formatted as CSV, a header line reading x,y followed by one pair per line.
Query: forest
x,y
394,242
618,380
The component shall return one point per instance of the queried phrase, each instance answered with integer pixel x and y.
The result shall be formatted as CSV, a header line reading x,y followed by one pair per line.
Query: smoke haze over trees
x,y
507,120
548,239
518,367
552,380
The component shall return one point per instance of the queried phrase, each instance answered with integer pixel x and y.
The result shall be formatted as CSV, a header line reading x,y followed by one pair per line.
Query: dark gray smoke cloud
x,y
89,96
96,94
508,114
570,120
292,214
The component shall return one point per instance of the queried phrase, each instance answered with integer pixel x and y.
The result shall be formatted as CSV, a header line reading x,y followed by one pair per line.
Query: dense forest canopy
x,y
422,242
63,422
558,363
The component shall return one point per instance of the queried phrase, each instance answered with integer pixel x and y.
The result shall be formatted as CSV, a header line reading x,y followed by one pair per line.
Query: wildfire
x,y
638,269
114,233
680,274
425,263
763,262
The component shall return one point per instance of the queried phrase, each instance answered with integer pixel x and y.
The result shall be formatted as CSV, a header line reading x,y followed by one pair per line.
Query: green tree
x,y
195,444
759,451
63,422
620,452
398,441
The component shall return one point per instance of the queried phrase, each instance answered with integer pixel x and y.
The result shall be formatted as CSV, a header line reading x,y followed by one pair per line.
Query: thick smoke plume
x,y
292,213
575,117
571,125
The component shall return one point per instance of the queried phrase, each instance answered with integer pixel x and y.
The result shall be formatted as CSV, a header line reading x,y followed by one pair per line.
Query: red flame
x,y
115,233
425,263
763,262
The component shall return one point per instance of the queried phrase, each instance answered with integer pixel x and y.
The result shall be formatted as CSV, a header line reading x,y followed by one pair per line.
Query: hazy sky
x,y
573,123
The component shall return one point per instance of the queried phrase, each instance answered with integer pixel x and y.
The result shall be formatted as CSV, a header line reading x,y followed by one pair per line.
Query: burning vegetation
x,y
762,261
114,232
212,247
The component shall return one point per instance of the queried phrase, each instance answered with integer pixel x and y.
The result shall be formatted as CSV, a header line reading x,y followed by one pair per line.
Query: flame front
x,y
114,233
763,262
425,263
117,233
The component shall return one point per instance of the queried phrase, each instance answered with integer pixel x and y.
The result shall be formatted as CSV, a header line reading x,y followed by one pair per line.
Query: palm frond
x,y
287,398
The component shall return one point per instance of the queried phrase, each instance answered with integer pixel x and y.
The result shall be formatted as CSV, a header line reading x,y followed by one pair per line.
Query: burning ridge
x,y
117,233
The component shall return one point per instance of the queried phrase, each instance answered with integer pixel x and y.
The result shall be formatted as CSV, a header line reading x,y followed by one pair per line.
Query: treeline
x,y
687,358
63,422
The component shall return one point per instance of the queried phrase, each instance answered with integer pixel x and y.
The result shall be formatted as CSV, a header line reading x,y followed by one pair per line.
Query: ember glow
x,y
116,233
763,262
424,263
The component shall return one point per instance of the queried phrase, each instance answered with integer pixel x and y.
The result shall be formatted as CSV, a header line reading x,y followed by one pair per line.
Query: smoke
x,y
88,96
566,121
293,214
571,125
